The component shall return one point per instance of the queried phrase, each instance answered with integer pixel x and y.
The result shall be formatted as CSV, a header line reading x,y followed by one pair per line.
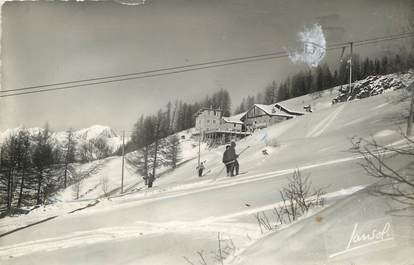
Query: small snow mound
x,y
384,133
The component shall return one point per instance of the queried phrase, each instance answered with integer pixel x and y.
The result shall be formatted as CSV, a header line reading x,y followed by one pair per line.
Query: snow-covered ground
x,y
183,214
109,171
360,229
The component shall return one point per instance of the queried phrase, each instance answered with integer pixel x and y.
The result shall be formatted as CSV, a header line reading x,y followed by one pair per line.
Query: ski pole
x,y
244,150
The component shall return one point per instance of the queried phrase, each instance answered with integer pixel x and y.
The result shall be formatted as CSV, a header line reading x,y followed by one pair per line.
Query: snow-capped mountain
x,y
94,132
81,136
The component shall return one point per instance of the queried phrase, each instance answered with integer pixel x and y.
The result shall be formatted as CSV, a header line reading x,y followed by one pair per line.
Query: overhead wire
x,y
183,68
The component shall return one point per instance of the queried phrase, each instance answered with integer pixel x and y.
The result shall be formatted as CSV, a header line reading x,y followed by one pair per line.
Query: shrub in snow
x,y
371,86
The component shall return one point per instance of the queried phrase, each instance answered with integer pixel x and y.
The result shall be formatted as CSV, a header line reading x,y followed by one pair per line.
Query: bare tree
x,y
172,152
43,160
25,162
86,152
101,148
70,151
9,157
296,200
104,185
77,186
411,113
397,184
159,132
300,195
78,175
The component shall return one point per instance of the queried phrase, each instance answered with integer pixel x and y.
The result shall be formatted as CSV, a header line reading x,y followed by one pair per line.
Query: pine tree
x,y
270,93
319,79
159,133
383,68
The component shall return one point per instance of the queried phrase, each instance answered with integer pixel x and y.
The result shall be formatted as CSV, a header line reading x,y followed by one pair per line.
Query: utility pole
x,y
199,148
66,158
411,115
350,68
123,159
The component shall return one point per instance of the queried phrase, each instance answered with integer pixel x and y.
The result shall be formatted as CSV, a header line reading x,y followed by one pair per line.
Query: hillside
x,y
109,171
182,215
328,237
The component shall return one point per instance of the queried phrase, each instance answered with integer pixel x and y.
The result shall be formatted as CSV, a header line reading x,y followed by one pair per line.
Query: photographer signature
x,y
361,239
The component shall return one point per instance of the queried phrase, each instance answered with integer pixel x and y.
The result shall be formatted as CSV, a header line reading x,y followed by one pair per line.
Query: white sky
x,y
47,42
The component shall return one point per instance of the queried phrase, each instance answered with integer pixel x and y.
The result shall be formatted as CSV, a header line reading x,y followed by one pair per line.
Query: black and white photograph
x,y
207,132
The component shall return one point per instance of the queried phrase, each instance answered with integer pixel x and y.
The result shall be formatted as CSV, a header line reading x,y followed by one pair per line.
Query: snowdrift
x,y
359,229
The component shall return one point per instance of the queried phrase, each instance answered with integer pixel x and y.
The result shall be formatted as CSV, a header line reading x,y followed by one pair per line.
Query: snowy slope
x,y
374,84
334,236
109,171
183,213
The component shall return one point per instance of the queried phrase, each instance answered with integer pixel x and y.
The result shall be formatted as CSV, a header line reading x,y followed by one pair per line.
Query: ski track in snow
x,y
222,224
212,184
380,106
325,123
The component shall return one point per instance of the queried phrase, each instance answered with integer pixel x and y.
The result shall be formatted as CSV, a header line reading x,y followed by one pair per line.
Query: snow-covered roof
x,y
271,110
290,111
235,118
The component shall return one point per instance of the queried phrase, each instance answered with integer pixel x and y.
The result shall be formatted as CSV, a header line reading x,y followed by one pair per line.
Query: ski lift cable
x,y
178,67
187,68
183,66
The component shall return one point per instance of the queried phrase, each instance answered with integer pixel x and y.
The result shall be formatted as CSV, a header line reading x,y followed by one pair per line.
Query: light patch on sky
x,y
314,46
131,2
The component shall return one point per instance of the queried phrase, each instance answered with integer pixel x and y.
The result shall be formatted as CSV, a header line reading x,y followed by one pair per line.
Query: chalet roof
x,y
271,110
288,110
235,118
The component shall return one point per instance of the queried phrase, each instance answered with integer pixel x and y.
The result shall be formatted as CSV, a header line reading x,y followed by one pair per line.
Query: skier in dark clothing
x,y
227,160
235,165
230,160
201,168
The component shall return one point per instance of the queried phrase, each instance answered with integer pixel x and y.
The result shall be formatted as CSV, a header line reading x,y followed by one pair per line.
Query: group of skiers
x,y
229,160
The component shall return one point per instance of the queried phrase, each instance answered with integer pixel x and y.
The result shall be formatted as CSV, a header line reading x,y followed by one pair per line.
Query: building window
x,y
214,121
208,121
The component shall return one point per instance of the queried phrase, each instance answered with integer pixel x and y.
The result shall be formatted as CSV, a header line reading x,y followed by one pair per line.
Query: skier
x,y
230,160
227,160
200,169
234,156
150,180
